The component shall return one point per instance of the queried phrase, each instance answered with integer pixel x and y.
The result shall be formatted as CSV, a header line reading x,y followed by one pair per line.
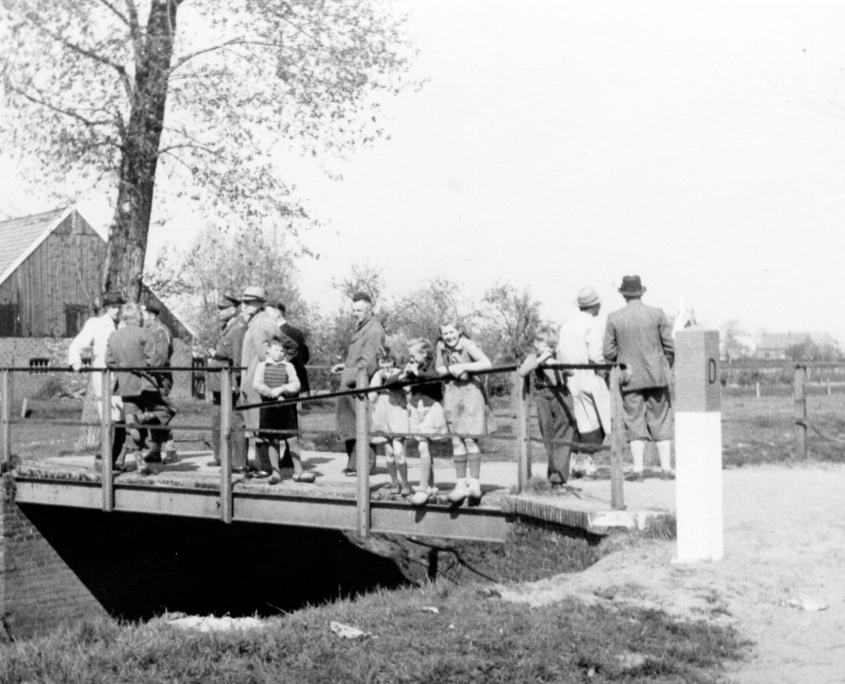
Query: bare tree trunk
x,y
127,246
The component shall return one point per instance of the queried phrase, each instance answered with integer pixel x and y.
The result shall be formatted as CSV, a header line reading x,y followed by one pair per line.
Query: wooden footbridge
x,y
361,505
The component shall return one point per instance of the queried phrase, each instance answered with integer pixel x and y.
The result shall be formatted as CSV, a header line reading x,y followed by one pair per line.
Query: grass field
x,y
436,633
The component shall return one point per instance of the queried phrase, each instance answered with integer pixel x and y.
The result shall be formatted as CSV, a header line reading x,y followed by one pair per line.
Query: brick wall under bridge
x,y
60,564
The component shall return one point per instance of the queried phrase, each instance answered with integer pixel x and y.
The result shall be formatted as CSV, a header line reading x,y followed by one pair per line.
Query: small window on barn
x,y
75,316
9,321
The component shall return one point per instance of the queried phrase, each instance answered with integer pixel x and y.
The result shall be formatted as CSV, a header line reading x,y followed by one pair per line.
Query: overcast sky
x,y
563,144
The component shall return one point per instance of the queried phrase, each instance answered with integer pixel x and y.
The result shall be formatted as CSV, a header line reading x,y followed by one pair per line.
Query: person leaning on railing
x,y
555,409
133,346
228,349
161,439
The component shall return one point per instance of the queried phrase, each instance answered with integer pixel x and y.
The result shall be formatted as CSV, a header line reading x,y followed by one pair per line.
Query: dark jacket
x,y
228,353
365,342
297,353
640,337
131,347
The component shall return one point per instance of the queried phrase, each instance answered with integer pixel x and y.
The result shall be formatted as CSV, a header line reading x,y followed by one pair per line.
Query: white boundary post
x,y
698,446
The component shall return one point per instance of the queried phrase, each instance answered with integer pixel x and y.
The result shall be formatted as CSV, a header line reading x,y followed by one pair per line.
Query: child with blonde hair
x,y
425,408
465,405
390,415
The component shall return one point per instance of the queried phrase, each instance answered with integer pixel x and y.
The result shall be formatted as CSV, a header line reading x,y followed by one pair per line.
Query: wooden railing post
x,y
800,395
106,441
226,504
6,417
362,452
617,441
520,387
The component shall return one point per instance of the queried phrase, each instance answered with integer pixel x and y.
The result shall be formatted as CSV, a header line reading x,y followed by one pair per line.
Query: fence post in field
x,y
521,407
225,443
6,416
758,389
800,394
362,453
106,441
828,385
617,440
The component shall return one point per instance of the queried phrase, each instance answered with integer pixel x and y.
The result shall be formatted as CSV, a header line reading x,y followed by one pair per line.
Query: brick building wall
x,y
18,351
37,587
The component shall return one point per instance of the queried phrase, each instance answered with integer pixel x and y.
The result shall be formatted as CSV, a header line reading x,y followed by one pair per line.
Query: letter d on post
x,y
698,446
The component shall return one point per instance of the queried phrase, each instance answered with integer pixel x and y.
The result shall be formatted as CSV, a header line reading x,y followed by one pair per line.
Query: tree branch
x,y
134,28
120,15
67,112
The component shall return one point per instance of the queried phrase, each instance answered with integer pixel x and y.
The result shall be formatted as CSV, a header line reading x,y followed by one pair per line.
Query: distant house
x,y
50,270
774,346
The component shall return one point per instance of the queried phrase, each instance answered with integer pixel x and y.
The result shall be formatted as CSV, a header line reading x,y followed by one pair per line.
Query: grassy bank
x,y
471,638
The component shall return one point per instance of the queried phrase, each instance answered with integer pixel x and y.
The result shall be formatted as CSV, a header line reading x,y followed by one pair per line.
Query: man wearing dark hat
x,y
367,338
95,334
161,359
229,348
640,337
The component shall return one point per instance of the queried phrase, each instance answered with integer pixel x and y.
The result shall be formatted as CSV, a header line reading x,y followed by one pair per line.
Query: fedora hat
x,y
227,301
113,299
631,286
254,294
587,297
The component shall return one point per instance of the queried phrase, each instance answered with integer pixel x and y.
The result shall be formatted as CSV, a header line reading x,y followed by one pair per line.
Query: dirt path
x,y
784,541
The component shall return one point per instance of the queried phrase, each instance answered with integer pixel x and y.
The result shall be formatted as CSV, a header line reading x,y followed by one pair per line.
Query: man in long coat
x,y
367,338
226,354
640,337
95,334
261,330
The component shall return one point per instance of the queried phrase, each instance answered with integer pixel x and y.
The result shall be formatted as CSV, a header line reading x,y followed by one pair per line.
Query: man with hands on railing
x,y
555,410
366,340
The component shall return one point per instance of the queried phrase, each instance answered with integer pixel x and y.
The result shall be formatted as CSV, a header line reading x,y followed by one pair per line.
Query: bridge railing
x,y
522,433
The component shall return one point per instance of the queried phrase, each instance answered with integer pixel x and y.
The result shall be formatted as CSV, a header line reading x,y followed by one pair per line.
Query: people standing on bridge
x,y
390,415
640,337
465,405
161,359
95,334
229,348
133,346
297,353
425,413
275,378
261,330
366,339
555,406
581,341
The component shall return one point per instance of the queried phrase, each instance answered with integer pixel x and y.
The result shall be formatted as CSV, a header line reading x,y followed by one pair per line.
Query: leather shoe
x,y
635,477
240,470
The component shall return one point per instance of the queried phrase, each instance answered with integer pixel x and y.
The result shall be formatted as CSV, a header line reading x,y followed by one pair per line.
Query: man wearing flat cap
x,y
640,337
229,347
581,339
161,359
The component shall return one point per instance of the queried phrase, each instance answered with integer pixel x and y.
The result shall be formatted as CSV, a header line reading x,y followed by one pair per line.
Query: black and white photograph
x,y
375,341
